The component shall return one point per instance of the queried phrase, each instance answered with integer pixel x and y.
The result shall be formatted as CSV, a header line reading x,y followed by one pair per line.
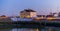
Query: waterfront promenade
x,y
31,24
38,25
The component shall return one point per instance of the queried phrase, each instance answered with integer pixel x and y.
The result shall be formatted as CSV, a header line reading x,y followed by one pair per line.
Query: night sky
x,y
13,7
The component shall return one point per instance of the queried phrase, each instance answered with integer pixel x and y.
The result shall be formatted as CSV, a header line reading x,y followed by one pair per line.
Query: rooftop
x,y
28,10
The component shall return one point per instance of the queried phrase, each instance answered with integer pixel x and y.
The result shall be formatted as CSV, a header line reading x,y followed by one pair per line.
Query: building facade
x,y
27,13
59,14
3,17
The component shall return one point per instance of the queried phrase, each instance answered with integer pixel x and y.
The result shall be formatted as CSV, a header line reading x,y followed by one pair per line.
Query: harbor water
x,y
31,29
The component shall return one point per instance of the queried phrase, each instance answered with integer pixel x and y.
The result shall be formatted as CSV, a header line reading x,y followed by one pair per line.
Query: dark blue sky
x,y
13,7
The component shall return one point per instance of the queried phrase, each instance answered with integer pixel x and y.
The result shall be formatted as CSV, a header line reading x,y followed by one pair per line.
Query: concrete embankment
x,y
31,24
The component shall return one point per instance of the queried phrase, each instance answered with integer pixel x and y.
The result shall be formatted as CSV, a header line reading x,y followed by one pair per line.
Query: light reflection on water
x,y
18,29
30,29
24,29
44,29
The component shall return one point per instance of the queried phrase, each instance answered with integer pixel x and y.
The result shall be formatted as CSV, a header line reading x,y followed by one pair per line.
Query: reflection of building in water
x,y
52,29
5,29
49,29
27,13
25,29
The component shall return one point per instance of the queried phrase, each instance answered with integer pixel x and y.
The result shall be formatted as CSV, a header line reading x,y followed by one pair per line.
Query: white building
x,y
27,13
21,19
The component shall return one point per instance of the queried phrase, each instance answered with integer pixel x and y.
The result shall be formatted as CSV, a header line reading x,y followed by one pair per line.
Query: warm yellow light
x,y
37,18
28,16
50,18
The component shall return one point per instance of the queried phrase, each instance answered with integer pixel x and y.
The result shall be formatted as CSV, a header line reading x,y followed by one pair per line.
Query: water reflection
x,y
5,29
30,29
19,29
52,28
24,29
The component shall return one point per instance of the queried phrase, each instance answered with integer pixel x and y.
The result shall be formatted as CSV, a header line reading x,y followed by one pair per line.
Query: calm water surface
x,y
18,29
30,29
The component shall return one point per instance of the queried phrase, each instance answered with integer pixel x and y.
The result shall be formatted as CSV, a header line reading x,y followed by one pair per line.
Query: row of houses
x,y
29,13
